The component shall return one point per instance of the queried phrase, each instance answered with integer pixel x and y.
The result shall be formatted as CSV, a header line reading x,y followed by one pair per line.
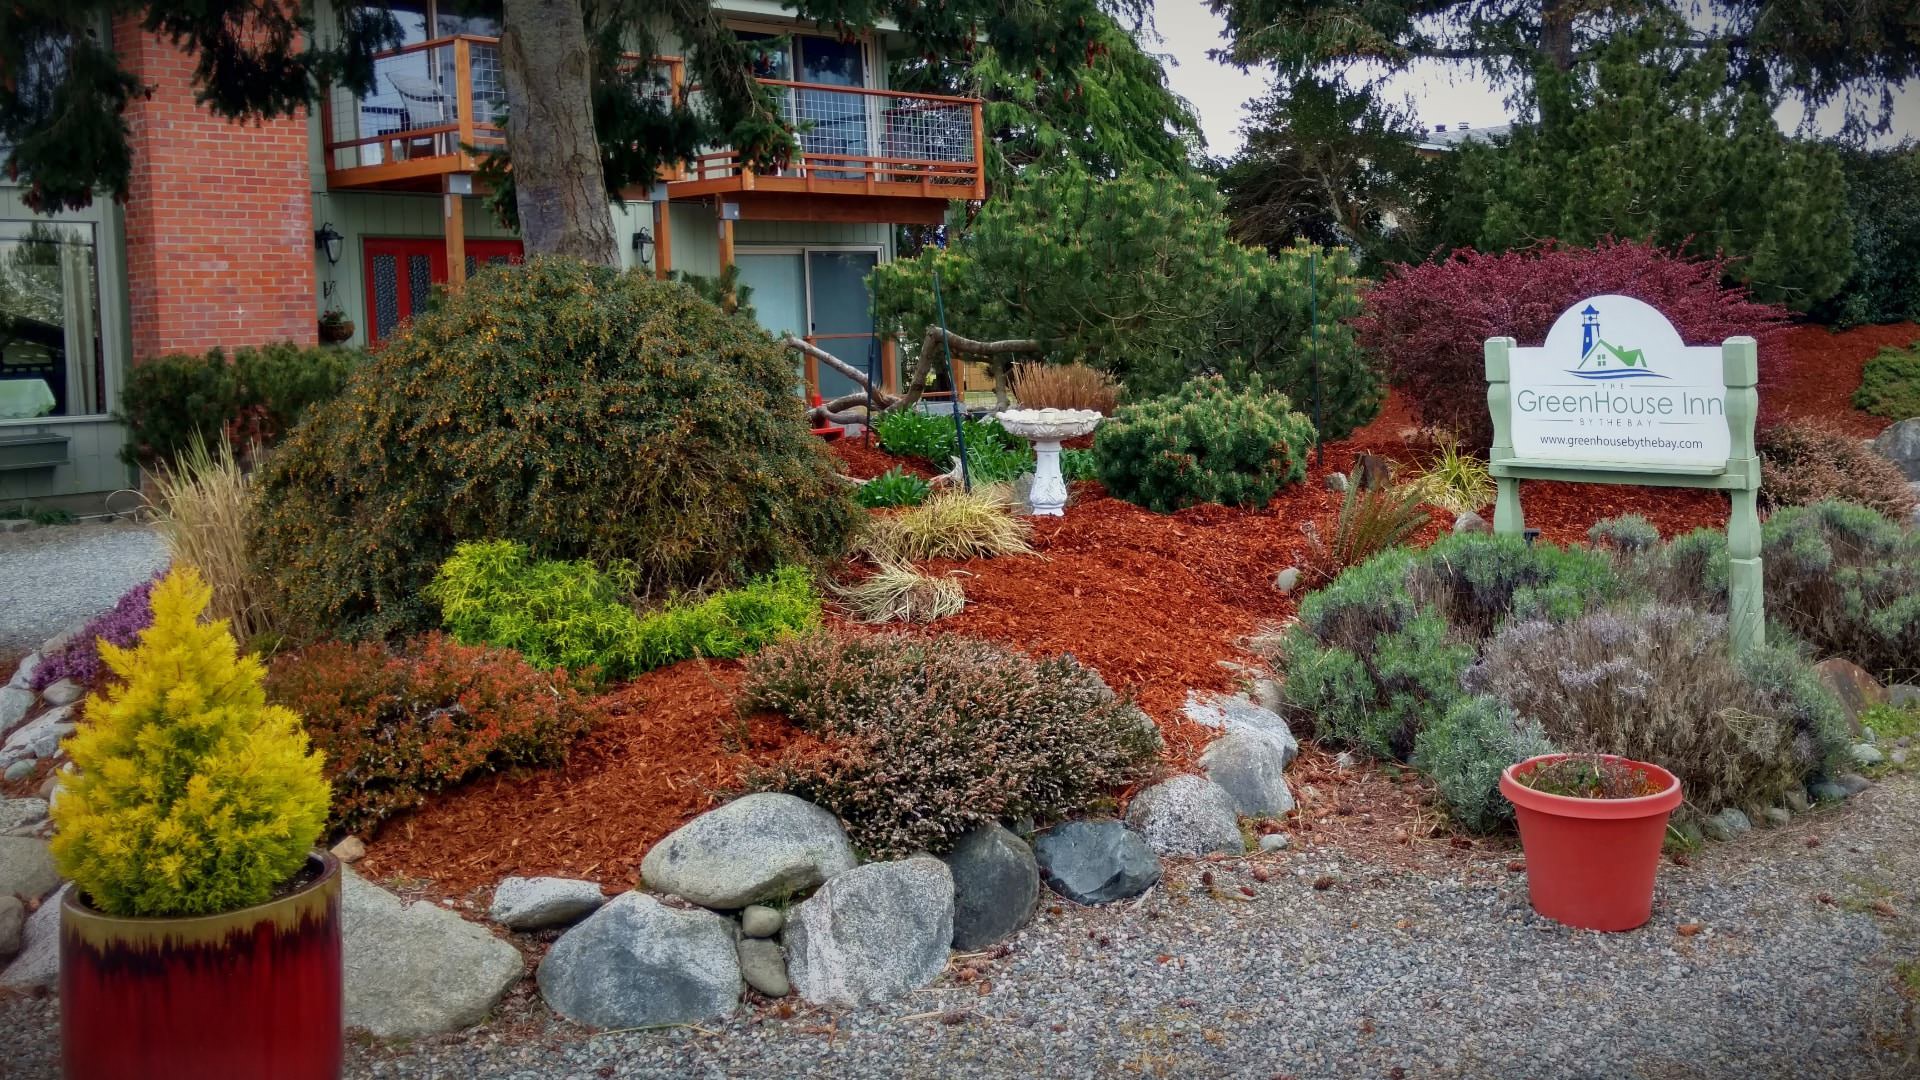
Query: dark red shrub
x,y
1429,323
397,727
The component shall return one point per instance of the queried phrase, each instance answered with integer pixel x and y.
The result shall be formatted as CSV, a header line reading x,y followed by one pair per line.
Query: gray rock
x,y
1337,481
417,969
1095,862
1187,815
1252,769
39,737
23,674
1866,754
1237,715
532,903
1276,841
17,812
760,921
1900,444
1903,695
1856,688
38,965
63,692
1776,816
1854,783
639,963
13,918
14,703
1267,694
872,933
996,886
17,771
1470,522
1798,802
1287,580
764,967
1897,756
1727,824
758,847
1828,791
350,849
26,868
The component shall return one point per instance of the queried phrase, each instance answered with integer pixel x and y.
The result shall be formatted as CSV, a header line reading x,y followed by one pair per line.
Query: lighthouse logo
x,y
1603,361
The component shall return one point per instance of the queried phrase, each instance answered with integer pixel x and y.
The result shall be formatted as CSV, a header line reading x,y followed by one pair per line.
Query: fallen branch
x,y
878,402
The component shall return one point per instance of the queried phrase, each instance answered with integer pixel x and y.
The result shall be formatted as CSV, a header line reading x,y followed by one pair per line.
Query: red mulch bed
x,y
1153,602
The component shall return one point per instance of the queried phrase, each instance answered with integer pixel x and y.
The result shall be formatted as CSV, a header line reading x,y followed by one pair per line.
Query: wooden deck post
x,y
662,239
456,225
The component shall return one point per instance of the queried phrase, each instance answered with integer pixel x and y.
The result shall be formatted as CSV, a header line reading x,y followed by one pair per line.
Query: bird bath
x,y
1046,429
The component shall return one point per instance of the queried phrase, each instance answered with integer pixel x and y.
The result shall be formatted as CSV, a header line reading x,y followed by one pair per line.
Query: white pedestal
x,y
1049,495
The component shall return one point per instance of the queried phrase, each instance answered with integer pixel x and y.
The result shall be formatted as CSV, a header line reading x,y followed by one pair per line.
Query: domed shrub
x,y
1802,463
193,795
586,413
1205,443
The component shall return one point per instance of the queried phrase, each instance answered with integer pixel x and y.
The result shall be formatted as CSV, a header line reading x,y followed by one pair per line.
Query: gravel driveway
x,y
1777,956
55,578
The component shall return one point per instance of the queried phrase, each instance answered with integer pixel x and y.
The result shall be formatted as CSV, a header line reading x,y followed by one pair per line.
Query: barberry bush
x,y
1207,442
192,794
1802,463
398,726
1429,323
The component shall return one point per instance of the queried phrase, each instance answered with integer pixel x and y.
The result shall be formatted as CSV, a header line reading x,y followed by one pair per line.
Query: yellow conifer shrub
x,y
193,796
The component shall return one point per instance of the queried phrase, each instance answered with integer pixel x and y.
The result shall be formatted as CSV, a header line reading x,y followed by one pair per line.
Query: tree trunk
x,y
557,179
1556,32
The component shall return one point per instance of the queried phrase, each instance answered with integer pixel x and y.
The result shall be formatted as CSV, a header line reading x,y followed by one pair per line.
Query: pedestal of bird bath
x,y
1046,429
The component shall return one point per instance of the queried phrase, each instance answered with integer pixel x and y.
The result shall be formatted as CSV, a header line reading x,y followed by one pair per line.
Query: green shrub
x,y
260,395
1802,462
913,434
1205,443
992,463
932,737
1659,684
1466,749
1883,195
1627,534
586,413
577,616
1076,465
895,487
1371,520
1890,385
396,727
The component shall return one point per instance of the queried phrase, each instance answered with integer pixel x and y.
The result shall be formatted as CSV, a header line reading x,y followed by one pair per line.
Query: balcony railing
x,y
429,101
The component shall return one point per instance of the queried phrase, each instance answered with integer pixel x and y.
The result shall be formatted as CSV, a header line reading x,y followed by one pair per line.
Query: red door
x,y
401,274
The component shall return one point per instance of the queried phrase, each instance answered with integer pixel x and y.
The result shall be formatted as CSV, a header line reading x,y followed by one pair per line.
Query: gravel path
x,y
1789,965
55,578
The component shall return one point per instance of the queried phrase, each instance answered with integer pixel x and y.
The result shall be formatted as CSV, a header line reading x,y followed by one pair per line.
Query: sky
x,y
1439,93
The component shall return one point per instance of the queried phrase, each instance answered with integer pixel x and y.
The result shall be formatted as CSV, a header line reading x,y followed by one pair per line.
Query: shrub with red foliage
x,y
1429,323
397,727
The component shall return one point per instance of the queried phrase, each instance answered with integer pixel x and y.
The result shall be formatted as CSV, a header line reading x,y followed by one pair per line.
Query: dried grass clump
x,y
1455,480
934,736
1065,386
204,512
1802,463
952,524
899,593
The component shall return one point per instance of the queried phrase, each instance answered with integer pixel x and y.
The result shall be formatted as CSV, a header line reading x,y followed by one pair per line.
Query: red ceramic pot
x,y
249,995
1591,862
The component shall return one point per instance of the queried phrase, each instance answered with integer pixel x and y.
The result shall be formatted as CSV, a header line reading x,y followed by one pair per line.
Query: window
x,y
51,361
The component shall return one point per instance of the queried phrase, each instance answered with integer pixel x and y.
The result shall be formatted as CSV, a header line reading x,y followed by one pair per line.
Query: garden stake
x,y
873,364
946,344
1313,332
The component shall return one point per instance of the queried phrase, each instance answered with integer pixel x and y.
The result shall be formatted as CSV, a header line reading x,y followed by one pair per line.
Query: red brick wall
x,y
219,216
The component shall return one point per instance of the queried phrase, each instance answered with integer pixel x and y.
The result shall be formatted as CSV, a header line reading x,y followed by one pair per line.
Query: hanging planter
x,y
1591,860
335,328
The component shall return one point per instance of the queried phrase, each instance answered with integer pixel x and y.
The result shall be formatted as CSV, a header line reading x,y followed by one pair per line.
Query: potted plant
x,y
201,936
335,327
1592,826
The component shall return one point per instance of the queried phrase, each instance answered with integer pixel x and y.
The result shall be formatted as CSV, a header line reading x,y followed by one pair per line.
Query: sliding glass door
x,y
818,293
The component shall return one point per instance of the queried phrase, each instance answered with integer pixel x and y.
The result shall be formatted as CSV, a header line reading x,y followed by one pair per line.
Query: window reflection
x,y
51,362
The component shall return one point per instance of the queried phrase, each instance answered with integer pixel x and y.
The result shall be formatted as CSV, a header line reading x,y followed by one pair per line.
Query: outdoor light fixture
x,y
643,246
329,241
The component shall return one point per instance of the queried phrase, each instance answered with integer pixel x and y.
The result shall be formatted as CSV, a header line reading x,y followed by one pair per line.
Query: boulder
x,y
1470,522
758,847
1337,481
63,692
760,921
417,969
1866,754
1237,715
1827,791
1857,690
1900,444
38,965
532,903
1187,815
350,849
26,868
1776,817
17,812
14,703
1798,802
1287,580
1096,861
872,933
23,675
17,771
1252,768
1727,824
764,967
13,919
1276,841
996,885
639,963
39,737
1904,696
1854,783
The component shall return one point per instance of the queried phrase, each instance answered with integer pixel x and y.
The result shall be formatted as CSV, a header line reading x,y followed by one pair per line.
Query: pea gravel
x,y
56,578
1780,955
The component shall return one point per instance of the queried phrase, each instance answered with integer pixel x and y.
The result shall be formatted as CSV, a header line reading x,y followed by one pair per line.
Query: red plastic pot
x,y
248,995
1591,862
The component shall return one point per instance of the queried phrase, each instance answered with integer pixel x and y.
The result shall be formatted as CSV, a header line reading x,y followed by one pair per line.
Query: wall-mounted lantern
x,y
329,241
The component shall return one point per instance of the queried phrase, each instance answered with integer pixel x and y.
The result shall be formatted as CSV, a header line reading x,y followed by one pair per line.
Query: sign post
x,y
1615,397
